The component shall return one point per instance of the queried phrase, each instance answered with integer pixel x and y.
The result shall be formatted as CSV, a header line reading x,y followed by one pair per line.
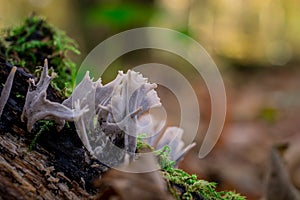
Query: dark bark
x,y
58,167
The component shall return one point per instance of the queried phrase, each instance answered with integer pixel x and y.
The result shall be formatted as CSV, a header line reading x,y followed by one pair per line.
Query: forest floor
x,y
263,110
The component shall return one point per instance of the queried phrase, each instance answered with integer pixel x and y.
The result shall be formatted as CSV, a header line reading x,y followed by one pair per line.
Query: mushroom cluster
x,y
108,117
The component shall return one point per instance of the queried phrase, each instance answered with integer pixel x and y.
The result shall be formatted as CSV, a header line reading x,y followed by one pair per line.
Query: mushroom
x,y
6,89
37,107
172,137
103,114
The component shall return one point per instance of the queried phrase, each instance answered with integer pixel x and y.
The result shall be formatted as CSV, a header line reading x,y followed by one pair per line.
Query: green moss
x,y
20,96
183,185
43,127
33,41
140,144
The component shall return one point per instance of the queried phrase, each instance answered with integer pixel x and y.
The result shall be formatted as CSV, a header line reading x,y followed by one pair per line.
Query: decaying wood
x,y
30,174
120,184
58,168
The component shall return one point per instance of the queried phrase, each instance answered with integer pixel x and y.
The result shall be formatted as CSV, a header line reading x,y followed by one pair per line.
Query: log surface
x,y
58,167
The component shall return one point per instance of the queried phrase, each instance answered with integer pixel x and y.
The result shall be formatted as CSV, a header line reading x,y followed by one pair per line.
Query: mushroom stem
x,y
6,89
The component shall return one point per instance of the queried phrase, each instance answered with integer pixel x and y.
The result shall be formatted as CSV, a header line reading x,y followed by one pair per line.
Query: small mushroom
x,y
131,98
173,138
103,113
37,107
6,89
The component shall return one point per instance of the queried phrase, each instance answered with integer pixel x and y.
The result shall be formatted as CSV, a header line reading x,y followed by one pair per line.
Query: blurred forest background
x,y
256,45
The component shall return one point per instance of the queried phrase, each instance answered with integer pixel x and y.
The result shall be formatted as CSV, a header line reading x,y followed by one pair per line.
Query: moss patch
x,y
28,44
183,185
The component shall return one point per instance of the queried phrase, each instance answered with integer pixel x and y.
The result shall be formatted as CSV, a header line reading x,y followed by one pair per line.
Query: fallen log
x,y
59,166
